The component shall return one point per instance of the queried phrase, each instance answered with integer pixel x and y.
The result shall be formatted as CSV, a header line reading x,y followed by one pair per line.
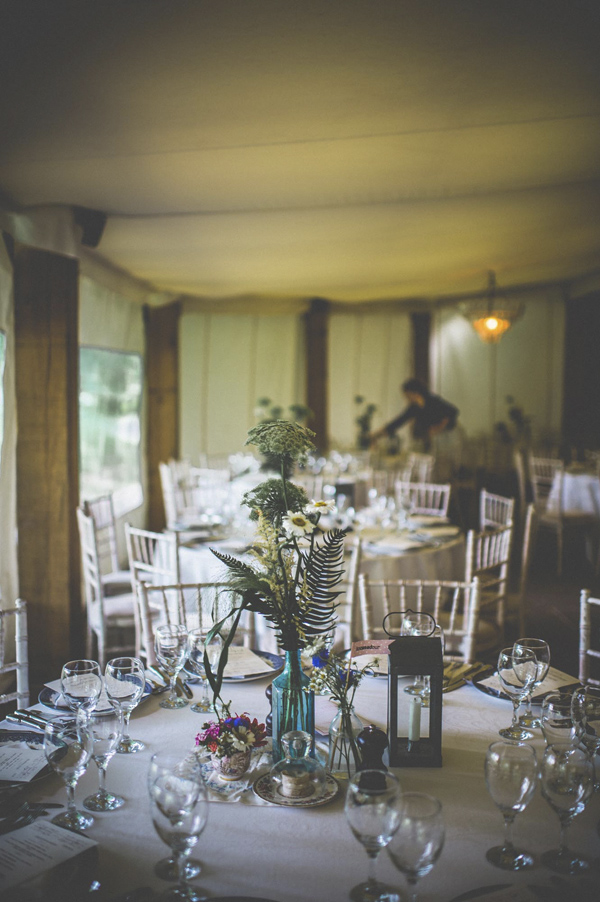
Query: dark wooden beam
x,y
317,369
162,387
47,388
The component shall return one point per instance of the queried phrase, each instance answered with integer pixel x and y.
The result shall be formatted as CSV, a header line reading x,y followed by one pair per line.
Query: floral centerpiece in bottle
x,y
290,576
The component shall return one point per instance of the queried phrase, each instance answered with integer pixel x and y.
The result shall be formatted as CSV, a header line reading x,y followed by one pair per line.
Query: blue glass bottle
x,y
293,704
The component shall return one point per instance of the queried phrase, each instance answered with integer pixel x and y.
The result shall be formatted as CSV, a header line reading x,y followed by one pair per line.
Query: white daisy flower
x,y
321,507
296,524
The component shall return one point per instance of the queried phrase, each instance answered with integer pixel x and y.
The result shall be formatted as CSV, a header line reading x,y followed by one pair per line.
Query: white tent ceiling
x,y
349,150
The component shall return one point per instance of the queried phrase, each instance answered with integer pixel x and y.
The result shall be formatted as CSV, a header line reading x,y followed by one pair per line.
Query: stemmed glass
x,y
105,730
517,670
81,684
125,681
171,646
511,773
179,805
541,650
197,647
161,764
373,811
68,750
559,726
418,842
585,707
567,776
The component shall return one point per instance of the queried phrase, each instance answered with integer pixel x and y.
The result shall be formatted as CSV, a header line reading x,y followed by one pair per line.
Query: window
x,y
2,359
110,395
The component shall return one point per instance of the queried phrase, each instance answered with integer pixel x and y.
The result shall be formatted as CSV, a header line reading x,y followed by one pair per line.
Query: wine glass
x,y
179,805
125,681
541,650
68,750
105,730
81,684
373,810
567,776
585,707
559,726
171,646
161,764
418,842
517,669
198,645
511,773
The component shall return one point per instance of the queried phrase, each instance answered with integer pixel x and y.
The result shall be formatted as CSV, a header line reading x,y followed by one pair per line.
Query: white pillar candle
x,y
414,719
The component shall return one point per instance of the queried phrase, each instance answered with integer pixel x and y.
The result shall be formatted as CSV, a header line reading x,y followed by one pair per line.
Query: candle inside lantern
x,y
414,720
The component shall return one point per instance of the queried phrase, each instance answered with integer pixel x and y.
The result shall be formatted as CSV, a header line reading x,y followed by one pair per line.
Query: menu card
x,y
243,662
20,764
555,680
27,852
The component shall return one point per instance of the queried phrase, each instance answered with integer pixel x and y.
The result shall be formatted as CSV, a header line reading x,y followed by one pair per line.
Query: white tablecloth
x,y
295,856
580,494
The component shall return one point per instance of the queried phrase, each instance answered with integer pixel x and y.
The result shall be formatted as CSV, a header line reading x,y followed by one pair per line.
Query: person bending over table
x,y
430,415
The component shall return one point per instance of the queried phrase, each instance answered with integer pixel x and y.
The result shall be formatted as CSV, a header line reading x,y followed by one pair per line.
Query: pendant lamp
x,y
493,315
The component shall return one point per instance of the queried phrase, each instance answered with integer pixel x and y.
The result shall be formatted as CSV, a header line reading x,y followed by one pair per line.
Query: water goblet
x,y
585,707
559,726
198,646
125,681
105,730
81,684
68,750
171,646
418,842
541,650
179,806
517,669
162,764
511,773
373,810
567,779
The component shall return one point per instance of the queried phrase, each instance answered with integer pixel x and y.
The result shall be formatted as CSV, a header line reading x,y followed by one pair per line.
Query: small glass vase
x,y
293,705
343,759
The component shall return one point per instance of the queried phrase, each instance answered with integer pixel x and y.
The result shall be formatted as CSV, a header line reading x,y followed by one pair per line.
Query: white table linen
x,y
580,494
295,856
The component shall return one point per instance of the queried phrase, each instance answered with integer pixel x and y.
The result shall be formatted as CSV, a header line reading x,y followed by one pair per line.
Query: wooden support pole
x,y
46,384
317,369
162,387
421,331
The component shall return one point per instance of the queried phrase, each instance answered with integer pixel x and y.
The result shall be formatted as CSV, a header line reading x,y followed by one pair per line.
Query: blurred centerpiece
x,y
290,576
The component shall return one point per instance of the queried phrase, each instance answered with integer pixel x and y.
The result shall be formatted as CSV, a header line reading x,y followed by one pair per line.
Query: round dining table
x,y
253,849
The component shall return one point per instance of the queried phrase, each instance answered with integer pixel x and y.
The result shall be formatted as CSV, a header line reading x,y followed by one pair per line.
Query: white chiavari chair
x,y
16,663
516,609
110,617
453,604
421,467
495,511
114,578
589,638
192,605
488,557
347,627
427,498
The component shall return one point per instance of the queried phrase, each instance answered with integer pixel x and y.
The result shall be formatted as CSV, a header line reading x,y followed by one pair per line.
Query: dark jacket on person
x,y
435,410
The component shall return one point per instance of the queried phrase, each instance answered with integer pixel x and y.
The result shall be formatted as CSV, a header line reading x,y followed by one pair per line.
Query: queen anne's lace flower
x,y
296,524
281,438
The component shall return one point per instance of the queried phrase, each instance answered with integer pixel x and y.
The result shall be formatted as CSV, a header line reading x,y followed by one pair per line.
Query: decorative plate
x,y
274,666
264,789
53,699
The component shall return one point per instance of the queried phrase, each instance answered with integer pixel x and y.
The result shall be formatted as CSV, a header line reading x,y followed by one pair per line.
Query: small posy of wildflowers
x,y
236,733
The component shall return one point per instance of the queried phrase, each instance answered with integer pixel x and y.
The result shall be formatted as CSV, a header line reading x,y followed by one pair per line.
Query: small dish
x,y
53,699
264,789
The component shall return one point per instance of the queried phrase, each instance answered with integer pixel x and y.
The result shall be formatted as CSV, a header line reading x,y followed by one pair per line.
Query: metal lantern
x,y
415,656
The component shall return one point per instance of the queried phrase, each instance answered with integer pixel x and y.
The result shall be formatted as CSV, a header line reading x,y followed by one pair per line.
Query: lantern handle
x,y
403,613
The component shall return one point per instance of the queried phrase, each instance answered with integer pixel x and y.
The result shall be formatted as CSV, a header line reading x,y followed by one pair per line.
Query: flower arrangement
x,y
230,734
363,421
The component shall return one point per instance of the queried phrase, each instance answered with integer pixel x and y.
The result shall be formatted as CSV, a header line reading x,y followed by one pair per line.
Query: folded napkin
x,y
437,532
395,544
418,520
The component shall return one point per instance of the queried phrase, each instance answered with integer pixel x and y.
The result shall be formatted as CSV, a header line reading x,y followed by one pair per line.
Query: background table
x,y
299,855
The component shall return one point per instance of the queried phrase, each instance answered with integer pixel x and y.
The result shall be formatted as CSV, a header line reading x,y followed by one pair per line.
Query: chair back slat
x,y
13,624
589,638
426,498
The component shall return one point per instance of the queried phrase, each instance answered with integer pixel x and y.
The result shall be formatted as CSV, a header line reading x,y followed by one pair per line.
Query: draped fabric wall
x,y
370,354
527,363
9,577
228,362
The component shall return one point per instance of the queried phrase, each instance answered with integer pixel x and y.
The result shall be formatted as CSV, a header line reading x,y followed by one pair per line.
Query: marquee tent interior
x,y
245,158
